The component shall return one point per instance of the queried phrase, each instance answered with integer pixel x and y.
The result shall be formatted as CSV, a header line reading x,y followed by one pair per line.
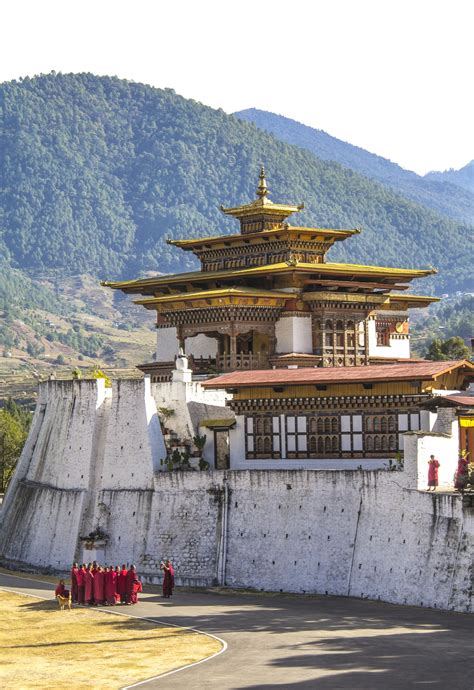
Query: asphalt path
x,y
302,642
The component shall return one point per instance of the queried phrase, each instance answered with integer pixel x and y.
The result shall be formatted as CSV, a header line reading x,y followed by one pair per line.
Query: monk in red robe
x,y
117,595
89,586
81,581
433,466
61,589
133,586
122,584
110,577
74,592
99,586
461,476
168,578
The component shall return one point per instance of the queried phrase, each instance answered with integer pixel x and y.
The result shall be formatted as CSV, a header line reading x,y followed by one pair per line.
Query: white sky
x,y
392,77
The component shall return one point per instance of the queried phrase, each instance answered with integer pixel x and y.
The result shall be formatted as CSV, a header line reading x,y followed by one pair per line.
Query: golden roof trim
x,y
263,235
335,268
215,294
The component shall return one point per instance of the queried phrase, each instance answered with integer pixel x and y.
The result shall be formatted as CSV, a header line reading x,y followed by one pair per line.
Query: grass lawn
x,y
43,647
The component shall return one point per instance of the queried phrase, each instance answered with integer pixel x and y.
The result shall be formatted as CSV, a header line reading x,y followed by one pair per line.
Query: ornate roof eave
x,y
164,282
328,235
261,206
225,293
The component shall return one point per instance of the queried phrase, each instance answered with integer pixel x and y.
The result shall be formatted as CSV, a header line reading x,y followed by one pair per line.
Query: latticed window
x,y
380,433
323,435
262,437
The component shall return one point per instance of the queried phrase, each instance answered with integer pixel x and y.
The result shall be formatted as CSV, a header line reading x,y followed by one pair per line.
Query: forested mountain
x,y
97,172
462,178
439,191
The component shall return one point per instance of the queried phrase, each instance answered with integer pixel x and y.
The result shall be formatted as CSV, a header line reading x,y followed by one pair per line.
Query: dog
x,y
64,602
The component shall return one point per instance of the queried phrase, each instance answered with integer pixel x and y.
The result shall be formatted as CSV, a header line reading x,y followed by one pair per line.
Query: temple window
x,y
380,432
262,437
296,436
351,433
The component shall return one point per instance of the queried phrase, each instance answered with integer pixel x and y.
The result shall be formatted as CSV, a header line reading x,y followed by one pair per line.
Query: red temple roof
x,y
369,373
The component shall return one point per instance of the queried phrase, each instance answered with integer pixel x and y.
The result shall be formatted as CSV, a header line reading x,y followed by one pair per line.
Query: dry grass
x,y
43,647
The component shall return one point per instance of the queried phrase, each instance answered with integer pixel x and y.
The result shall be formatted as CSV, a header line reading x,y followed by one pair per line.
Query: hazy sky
x,y
392,77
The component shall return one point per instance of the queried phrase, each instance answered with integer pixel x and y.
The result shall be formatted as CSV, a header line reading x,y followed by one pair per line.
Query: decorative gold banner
x,y
466,421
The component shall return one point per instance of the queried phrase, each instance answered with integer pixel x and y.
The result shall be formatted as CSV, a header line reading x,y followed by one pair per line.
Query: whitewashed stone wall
x,y
293,334
399,348
360,533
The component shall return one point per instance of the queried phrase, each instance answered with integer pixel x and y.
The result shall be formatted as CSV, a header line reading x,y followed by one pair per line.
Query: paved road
x,y
322,643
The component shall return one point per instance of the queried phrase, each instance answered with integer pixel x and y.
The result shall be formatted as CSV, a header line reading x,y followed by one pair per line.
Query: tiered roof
x,y
303,270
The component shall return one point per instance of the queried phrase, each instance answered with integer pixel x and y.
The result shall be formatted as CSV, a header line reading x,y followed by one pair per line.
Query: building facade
x,y
268,297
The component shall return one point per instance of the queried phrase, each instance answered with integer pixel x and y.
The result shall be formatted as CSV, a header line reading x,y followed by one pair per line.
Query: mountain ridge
x,y
435,191
98,172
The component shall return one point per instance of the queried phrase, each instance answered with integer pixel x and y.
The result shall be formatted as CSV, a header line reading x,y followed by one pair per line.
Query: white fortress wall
x,y
178,520
43,507
362,533
134,443
293,334
176,395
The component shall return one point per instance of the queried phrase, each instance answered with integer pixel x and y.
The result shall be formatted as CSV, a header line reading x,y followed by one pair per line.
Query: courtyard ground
x,y
43,647
307,642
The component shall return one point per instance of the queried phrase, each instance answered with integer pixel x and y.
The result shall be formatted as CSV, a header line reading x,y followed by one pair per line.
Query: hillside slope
x,y
439,191
98,171
464,177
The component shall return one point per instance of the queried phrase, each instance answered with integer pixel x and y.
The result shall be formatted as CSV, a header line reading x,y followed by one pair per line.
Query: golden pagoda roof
x,y
293,231
414,300
360,270
262,204
229,295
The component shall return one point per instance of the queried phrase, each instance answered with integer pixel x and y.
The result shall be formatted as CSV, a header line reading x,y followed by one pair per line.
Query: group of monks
x,y
98,585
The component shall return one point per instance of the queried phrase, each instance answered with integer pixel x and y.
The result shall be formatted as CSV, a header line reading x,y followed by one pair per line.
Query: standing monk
x,y
461,476
433,465
133,586
74,591
89,586
81,581
168,578
122,584
99,586
110,585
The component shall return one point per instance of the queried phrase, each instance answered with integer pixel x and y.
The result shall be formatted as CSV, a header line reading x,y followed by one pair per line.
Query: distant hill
x,y
97,172
462,178
438,191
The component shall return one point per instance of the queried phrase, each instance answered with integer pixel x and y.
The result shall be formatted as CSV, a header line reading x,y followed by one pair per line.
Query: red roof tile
x,y
307,375
465,400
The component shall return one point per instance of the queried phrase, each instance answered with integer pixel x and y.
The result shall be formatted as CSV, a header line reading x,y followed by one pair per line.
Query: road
x,y
302,642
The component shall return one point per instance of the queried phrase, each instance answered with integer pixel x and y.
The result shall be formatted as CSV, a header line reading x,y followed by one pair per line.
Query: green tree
x,y
452,348
12,438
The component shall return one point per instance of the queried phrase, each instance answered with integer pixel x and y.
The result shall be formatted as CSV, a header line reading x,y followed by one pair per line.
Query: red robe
x,y
74,590
61,589
81,581
168,581
88,587
110,586
433,472
460,478
133,586
122,584
99,587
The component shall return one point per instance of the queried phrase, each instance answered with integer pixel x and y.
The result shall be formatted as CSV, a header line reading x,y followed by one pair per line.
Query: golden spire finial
x,y
262,189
